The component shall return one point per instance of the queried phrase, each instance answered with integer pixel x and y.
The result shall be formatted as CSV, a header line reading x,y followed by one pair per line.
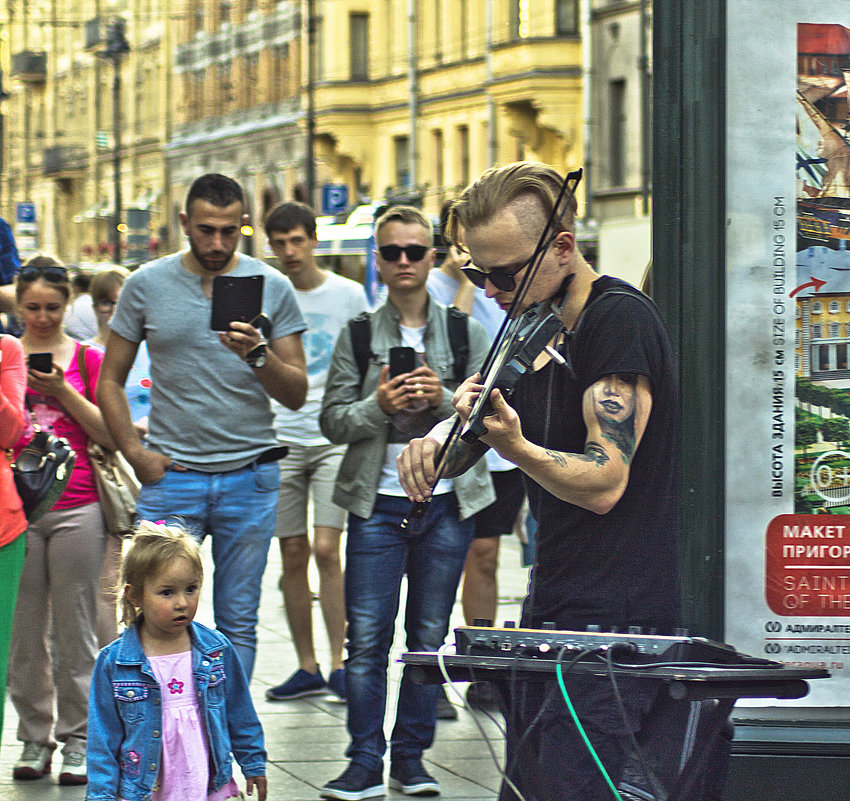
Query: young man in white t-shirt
x,y
327,302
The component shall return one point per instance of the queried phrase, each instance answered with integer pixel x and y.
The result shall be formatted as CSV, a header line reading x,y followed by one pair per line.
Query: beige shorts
x,y
309,472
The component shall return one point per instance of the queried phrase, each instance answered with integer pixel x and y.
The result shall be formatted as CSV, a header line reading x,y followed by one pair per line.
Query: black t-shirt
x,y
621,568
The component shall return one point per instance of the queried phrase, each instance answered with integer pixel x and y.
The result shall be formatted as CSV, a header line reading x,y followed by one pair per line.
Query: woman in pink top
x,y
13,382
60,579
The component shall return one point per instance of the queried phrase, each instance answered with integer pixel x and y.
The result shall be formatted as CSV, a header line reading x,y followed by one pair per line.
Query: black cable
x,y
551,694
651,779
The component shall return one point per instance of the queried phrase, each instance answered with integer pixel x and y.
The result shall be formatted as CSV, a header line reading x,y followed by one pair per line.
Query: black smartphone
x,y
43,362
235,298
402,360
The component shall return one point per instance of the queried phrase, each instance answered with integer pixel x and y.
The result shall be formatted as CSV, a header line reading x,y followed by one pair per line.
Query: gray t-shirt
x,y
208,408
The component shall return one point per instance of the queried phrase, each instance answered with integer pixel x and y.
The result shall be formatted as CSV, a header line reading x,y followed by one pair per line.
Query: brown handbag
x,y
117,485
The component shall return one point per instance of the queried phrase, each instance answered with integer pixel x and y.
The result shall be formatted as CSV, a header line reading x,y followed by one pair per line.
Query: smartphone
x,y
402,360
235,298
43,362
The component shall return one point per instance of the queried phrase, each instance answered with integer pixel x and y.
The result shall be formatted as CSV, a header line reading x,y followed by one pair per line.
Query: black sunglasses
x,y
393,252
503,280
53,272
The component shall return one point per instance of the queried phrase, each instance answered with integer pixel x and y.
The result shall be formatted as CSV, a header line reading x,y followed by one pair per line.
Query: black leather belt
x,y
272,455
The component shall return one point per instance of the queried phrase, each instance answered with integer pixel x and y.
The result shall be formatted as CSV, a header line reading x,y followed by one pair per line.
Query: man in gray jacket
x,y
377,416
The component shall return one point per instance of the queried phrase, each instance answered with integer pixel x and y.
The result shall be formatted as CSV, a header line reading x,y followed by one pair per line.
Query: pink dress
x,y
184,773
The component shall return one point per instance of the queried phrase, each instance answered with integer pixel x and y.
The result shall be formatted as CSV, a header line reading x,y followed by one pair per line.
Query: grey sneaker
x,y
34,762
73,769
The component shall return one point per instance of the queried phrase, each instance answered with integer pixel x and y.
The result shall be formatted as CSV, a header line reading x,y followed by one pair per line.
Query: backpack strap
x,y
84,373
457,323
361,342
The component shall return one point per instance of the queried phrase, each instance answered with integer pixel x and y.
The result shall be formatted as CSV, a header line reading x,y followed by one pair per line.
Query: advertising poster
x,y
788,338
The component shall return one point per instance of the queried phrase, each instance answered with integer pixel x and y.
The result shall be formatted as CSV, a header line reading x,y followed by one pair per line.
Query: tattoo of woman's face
x,y
614,399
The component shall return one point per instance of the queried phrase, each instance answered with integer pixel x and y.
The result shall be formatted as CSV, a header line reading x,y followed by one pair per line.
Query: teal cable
x,y
560,673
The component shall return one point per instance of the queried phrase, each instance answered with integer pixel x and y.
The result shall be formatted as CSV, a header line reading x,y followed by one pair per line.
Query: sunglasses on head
x,y
393,252
503,280
53,272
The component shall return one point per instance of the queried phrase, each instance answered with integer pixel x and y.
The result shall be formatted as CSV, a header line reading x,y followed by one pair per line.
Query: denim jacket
x,y
125,716
351,414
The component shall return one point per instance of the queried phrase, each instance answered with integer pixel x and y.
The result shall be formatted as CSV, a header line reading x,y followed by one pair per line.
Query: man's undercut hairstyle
x,y
286,216
499,186
407,215
217,190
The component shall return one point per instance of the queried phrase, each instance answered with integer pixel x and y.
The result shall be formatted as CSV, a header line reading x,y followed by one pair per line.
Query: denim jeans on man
x,y
378,554
238,509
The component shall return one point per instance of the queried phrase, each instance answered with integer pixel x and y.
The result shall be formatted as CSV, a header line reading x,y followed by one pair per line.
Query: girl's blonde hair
x,y
153,546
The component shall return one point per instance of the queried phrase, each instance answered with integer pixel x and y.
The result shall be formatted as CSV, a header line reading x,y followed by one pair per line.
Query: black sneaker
x,y
354,784
411,778
446,710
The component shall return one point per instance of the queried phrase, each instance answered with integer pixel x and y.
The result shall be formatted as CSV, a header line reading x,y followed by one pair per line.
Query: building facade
x,y
399,98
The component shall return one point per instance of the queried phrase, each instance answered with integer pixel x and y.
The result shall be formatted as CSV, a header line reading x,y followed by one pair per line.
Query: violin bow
x,y
509,324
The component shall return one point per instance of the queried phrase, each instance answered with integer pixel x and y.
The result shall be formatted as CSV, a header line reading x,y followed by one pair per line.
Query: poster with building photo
x,y
788,338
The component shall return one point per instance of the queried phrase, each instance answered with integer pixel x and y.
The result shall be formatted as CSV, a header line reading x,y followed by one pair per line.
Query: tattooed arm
x,y
615,410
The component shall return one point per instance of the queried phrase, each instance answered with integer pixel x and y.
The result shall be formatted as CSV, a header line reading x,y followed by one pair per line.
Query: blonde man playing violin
x,y
596,438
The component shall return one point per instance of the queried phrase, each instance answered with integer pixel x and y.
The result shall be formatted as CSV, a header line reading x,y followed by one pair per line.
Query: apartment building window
x,y
617,132
199,19
817,307
439,161
438,30
401,149
463,153
359,43
518,19
224,10
280,73
463,27
817,331
566,17
834,331
834,307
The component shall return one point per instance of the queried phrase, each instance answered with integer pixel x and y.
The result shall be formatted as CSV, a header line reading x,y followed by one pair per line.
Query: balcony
x,y
30,66
61,159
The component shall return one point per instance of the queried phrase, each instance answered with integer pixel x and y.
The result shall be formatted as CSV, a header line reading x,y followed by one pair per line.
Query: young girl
x,y
169,690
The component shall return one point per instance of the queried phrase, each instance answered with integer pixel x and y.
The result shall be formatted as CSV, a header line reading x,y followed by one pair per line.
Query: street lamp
x,y
116,48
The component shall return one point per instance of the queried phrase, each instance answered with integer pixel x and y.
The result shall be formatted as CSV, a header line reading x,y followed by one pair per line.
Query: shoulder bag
x,y
117,485
42,470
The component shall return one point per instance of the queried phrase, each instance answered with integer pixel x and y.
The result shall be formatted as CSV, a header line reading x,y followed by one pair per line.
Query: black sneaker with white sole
x,y
411,778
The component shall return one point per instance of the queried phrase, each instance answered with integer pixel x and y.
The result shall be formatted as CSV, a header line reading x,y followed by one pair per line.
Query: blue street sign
x,y
334,198
25,212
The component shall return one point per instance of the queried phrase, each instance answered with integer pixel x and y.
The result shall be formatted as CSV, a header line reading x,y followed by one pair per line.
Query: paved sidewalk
x,y
306,738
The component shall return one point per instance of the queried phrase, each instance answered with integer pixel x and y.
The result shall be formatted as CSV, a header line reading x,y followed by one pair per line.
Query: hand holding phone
x,y
42,362
402,360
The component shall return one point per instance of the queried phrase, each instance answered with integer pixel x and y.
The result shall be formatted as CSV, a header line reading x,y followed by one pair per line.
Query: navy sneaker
x,y
411,778
355,783
336,683
298,685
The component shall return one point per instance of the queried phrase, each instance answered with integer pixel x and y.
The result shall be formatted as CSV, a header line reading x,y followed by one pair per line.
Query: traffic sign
x,y
25,212
334,198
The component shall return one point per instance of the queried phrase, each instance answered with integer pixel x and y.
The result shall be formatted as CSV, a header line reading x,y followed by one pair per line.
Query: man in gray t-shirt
x,y
209,461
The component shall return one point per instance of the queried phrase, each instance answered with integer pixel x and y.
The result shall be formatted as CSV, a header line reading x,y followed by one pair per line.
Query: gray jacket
x,y
351,414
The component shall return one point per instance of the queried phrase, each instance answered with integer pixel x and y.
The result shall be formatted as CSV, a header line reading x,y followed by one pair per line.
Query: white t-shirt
x,y
327,308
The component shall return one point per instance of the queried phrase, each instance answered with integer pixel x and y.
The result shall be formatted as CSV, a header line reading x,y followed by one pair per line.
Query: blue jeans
x,y
377,555
238,510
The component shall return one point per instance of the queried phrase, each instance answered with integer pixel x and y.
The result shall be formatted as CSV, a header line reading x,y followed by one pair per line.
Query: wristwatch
x,y
256,357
